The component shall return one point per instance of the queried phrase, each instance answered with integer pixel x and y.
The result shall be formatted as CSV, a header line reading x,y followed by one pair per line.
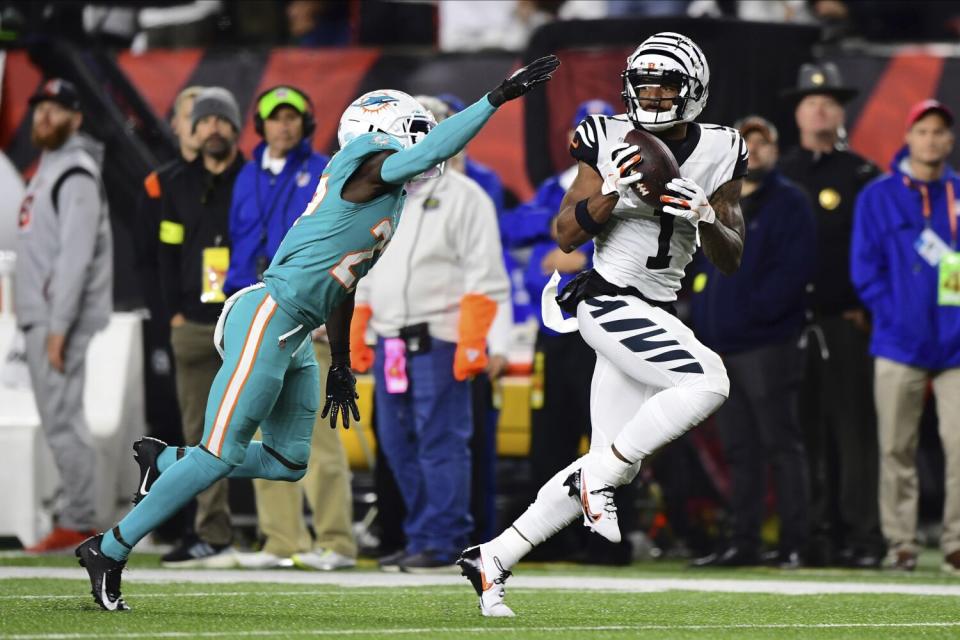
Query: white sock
x,y
664,417
504,551
553,509
609,469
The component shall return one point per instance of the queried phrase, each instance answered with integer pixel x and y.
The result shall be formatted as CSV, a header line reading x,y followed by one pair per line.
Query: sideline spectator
x,y
273,189
483,443
147,239
432,337
163,416
906,268
837,402
194,256
63,295
753,319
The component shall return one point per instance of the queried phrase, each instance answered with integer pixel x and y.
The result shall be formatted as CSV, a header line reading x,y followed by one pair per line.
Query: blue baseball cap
x,y
455,104
590,108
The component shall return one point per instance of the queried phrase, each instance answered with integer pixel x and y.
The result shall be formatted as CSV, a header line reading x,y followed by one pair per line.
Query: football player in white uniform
x,y
653,379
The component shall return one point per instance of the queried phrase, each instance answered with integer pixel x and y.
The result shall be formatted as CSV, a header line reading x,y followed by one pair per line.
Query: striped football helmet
x,y
666,59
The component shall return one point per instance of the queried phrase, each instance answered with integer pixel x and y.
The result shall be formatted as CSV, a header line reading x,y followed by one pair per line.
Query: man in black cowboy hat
x,y
837,403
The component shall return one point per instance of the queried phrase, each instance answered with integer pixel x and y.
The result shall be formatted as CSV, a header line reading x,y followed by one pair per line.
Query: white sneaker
x,y
261,560
474,567
323,560
596,502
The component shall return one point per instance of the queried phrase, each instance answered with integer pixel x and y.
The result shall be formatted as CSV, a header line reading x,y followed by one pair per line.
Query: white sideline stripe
x,y
481,630
590,583
241,373
227,594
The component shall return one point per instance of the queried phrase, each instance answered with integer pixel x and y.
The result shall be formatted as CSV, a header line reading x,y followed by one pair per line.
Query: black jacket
x,y
763,302
195,212
832,180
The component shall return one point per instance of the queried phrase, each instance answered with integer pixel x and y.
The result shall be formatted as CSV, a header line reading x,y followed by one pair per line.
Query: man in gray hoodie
x,y
63,293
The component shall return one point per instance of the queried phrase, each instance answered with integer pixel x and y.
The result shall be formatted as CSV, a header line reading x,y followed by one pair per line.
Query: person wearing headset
x,y
271,192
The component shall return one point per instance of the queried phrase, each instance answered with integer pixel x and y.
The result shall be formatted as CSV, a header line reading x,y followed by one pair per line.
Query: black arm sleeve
x,y
169,256
740,168
338,331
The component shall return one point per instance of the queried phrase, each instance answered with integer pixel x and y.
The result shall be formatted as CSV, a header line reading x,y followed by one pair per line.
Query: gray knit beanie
x,y
215,101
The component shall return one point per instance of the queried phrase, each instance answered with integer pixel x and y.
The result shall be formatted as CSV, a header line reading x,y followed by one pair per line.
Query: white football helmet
x,y
387,111
670,59
392,112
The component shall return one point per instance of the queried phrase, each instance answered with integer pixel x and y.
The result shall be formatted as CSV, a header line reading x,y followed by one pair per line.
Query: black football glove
x,y
525,78
341,396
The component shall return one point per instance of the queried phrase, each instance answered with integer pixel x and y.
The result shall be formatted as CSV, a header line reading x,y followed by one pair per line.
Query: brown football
x,y
657,165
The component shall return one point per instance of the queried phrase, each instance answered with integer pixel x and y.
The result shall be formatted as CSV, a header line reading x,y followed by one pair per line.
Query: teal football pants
x,y
269,380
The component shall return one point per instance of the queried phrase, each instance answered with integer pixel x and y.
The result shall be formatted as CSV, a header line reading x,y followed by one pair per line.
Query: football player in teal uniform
x,y
268,379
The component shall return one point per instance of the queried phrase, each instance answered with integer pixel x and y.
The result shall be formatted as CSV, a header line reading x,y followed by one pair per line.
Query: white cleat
x,y
323,560
491,593
598,506
262,560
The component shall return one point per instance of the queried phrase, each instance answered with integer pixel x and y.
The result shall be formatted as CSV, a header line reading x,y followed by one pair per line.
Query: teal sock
x,y
258,462
192,474
170,455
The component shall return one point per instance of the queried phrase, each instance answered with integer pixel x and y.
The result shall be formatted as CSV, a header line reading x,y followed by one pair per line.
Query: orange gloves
x,y
361,356
476,315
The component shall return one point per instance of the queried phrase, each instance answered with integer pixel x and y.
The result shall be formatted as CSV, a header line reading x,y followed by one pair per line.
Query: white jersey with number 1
x,y
641,247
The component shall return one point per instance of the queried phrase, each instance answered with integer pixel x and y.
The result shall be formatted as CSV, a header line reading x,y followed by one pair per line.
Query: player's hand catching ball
x,y
620,171
693,203
341,396
524,79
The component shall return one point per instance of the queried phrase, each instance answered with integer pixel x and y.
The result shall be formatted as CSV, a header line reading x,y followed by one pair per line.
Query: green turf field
x,y
45,608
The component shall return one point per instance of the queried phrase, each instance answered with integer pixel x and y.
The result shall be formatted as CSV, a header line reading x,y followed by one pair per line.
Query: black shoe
x,y
783,559
196,553
104,574
428,562
391,561
731,557
860,559
146,451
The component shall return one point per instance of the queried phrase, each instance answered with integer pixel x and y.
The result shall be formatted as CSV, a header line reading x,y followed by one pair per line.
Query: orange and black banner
x,y
331,77
526,142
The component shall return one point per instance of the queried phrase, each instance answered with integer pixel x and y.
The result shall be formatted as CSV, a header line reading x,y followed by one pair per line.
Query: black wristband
x,y
586,222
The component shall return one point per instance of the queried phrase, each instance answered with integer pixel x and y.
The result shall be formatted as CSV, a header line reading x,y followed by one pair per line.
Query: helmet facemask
x,y
665,60
645,112
412,130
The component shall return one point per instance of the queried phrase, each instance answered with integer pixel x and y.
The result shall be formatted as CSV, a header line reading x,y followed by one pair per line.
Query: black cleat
x,y
146,451
104,574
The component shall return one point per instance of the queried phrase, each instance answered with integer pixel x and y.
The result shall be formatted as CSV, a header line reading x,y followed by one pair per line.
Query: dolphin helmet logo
x,y
374,103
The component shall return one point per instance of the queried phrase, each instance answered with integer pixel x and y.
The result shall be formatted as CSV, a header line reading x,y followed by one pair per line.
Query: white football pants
x,y
653,381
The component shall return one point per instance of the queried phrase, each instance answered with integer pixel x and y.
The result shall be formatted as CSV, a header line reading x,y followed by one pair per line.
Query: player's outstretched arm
x,y
382,172
584,209
450,136
341,383
723,240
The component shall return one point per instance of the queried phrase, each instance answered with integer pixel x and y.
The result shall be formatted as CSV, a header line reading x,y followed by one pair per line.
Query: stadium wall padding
x,y
526,141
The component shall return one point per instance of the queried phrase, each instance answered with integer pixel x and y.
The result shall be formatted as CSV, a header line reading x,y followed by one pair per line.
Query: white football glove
x,y
616,171
693,203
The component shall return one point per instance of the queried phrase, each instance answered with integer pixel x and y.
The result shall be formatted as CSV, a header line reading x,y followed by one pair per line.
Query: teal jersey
x,y
334,242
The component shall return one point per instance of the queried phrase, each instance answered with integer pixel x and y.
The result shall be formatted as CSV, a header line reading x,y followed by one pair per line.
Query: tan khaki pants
x,y
899,391
326,485
197,364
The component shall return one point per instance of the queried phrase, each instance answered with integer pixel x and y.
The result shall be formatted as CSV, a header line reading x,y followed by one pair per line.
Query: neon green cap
x,y
281,96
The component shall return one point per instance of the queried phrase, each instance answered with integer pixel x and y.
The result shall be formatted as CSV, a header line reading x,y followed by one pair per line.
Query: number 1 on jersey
x,y
663,257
